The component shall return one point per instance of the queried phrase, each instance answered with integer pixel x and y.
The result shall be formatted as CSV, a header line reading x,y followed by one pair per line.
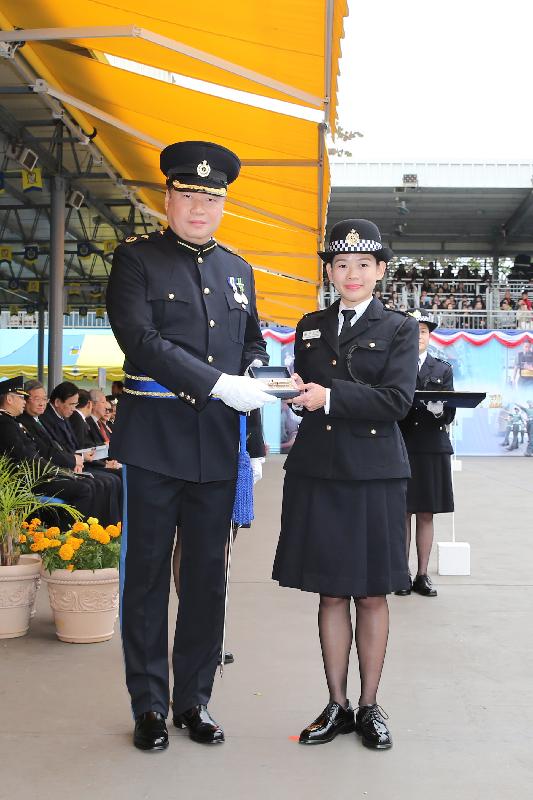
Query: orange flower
x,y
119,526
22,538
53,533
78,527
66,552
35,547
35,522
25,525
69,567
75,543
113,531
54,543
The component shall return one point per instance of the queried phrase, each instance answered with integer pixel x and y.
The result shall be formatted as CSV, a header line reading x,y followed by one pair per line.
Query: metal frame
x,y
133,31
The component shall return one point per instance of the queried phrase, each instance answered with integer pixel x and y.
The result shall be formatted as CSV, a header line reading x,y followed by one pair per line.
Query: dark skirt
x,y
430,487
342,538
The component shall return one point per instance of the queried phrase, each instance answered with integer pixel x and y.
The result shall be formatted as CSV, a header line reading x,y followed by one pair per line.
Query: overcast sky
x,y
423,79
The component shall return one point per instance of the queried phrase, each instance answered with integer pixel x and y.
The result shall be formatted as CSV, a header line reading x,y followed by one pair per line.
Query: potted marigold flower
x,y
80,568
22,487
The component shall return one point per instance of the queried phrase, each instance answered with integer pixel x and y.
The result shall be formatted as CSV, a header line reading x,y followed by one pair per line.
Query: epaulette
x,y
232,253
143,236
396,310
443,361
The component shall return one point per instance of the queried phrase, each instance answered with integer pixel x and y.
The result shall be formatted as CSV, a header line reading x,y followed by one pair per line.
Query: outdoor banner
x,y
499,363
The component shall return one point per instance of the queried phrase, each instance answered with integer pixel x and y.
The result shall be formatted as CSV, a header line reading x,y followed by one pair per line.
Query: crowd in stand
x,y
65,430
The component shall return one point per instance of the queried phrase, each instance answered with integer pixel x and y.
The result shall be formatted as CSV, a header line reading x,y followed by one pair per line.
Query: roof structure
x,y
446,210
64,71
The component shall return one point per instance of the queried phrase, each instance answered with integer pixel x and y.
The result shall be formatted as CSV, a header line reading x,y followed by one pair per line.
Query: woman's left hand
x,y
313,397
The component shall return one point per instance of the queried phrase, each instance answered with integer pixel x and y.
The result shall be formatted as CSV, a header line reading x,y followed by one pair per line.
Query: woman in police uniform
x,y
424,431
342,532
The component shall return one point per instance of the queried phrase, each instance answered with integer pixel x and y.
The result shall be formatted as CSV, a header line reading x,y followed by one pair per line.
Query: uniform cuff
x,y
326,404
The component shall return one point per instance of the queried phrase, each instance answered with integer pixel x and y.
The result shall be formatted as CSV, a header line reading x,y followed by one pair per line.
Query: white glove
x,y
255,363
436,407
240,392
257,468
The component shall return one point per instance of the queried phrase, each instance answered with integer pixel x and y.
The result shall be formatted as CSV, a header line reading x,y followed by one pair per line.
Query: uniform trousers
x,y
153,504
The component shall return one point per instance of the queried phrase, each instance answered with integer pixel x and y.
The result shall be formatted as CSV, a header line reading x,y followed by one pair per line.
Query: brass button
x,y
207,290
182,394
212,323
171,296
210,359
440,428
371,344
416,423
373,431
438,380
193,401
328,427
187,397
308,344
334,362
200,260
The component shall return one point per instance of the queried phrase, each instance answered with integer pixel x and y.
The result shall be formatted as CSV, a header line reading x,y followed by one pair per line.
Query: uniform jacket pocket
x,y
171,308
237,317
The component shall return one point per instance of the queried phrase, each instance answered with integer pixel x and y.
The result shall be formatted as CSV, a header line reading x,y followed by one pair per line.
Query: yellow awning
x,y
275,211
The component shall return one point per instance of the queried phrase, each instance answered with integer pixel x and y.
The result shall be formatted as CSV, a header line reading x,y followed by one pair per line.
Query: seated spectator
x,y
425,299
525,298
18,442
479,299
96,421
465,304
505,305
379,295
432,271
400,273
117,387
413,273
508,299
479,305
447,272
110,413
61,406
524,316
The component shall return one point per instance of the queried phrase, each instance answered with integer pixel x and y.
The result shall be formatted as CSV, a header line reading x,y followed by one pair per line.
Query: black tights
x,y
336,634
424,539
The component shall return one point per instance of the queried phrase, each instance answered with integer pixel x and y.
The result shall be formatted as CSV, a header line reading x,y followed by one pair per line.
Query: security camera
x,y
75,199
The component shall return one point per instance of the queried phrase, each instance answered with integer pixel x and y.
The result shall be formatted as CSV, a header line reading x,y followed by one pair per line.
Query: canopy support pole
x,y
57,280
40,335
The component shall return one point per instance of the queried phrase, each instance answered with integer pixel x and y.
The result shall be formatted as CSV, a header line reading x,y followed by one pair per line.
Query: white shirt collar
x,y
359,309
422,358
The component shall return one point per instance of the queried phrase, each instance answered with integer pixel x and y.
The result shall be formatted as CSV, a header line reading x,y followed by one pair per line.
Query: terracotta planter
x,y
85,603
18,588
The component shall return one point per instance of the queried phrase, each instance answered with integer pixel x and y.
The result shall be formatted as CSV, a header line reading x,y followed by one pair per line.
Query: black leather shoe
x,y
229,658
405,592
333,720
422,585
150,731
370,725
202,727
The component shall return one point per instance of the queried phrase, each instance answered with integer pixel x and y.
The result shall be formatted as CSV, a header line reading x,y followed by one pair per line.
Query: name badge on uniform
x,y
316,334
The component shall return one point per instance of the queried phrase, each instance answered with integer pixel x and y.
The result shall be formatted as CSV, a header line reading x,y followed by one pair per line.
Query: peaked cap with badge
x,y
13,386
423,315
199,167
356,236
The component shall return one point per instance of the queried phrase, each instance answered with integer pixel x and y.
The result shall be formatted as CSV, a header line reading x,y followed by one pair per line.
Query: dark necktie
x,y
103,431
348,315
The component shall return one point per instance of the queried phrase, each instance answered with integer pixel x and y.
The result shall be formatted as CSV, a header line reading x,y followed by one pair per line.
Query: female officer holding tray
x,y
342,530
424,430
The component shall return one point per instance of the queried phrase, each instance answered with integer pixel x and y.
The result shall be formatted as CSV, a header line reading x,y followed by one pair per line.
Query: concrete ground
x,y
457,682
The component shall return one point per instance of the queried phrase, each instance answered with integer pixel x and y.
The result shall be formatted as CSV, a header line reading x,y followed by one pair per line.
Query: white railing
x,y
72,320
493,320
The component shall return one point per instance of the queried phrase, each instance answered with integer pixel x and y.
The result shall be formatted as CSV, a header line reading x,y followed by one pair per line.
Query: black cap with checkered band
x,y
356,236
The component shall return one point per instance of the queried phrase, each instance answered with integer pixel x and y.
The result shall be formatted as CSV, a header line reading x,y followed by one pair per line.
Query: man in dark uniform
x,y
182,308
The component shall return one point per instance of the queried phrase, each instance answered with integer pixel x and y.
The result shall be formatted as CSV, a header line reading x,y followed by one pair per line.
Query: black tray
x,y
452,399
265,374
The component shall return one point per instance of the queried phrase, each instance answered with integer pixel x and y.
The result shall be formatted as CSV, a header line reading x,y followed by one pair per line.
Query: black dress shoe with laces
x,y
150,731
370,725
422,585
405,592
333,720
202,727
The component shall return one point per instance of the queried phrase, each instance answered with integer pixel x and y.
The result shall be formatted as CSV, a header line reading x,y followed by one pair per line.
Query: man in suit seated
x,y
96,421
88,425
19,444
61,406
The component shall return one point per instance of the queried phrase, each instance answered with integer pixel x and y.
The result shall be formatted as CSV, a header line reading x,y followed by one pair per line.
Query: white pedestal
x,y
453,558
457,465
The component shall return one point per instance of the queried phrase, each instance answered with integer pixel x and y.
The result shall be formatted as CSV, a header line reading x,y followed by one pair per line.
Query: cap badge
x,y
203,169
416,314
352,237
